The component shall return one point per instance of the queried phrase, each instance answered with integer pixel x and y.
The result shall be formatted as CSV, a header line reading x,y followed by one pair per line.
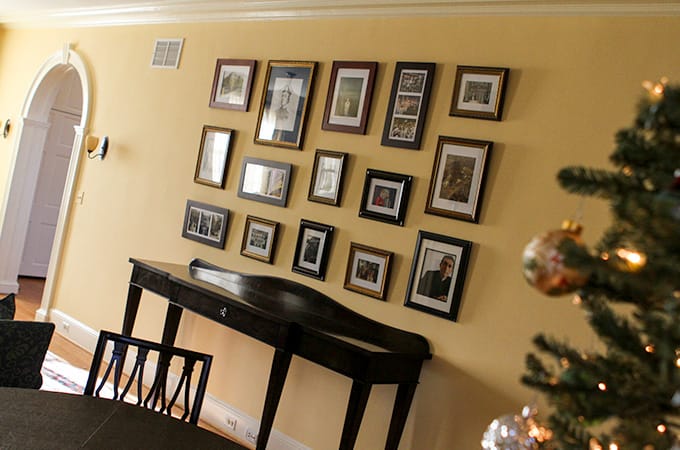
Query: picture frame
x,y
312,249
232,84
327,179
259,239
350,91
479,92
285,101
265,181
368,270
409,99
458,178
205,223
436,254
213,156
385,196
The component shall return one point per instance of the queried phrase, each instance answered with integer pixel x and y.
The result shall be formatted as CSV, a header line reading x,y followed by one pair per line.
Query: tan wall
x,y
573,83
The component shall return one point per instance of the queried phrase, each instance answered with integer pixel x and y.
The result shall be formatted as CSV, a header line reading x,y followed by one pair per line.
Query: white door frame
x,y
23,172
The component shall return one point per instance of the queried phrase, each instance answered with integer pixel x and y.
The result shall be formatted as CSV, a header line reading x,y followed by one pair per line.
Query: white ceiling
x,y
23,13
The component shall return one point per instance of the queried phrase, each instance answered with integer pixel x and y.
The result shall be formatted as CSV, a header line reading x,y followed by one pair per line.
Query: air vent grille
x,y
166,53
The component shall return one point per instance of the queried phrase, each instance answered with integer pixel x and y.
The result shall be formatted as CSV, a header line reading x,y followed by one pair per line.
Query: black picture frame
x,y
213,156
326,183
312,249
259,239
479,92
385,196
433,254
409,99
205,223
368,270
350,91
232,84
265,181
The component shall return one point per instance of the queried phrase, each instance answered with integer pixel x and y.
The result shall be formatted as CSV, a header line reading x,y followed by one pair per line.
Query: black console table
x,y
296,320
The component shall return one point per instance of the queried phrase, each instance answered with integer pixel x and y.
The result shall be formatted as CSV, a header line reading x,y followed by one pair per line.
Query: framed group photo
x,y
368,270
435,284
285,100
385,196
259,239
232,84
326,183
458,176
312,249
265,181
213,155
479,92
349,96
205,223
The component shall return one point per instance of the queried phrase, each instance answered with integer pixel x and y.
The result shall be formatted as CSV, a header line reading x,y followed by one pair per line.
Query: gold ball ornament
x,y
543,261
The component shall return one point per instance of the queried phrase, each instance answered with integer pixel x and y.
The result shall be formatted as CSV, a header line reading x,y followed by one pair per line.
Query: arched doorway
x,y
22,179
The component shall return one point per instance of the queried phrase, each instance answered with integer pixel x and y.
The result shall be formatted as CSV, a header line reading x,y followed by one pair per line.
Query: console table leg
x,y
131,307
402,404
172,318
358,399
277,378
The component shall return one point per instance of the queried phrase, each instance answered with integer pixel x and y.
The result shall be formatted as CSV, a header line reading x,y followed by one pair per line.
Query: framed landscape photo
x,y
349,96
264,181
479,91
213,155
205,223
285,100
438,272
385,196
312,249
326,183
259,239
232,83
458,175
407,109
368,270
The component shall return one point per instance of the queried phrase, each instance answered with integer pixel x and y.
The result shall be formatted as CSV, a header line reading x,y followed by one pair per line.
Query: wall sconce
x,y
5,129
95,147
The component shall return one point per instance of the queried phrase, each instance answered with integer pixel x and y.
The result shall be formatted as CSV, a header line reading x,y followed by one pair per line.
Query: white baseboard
x,y
214,411
9,287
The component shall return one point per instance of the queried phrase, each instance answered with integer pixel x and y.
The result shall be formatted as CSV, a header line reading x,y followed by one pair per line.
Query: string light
x,y
602,386
649,348
656,90
613,446
634,260
577,300
661,428
604,256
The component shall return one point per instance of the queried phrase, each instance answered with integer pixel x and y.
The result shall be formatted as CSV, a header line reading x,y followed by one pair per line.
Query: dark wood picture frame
x,y
350,91
409,100
312,249
368,270
327,179
213,156
205,223
385,196
259,239
458,178
479,92
232,84
265,181
285,102
436,253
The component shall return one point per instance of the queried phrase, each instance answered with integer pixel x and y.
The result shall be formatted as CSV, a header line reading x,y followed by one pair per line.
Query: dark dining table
x,y
37,420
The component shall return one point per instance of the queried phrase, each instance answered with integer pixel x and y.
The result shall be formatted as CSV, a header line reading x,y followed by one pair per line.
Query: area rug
x,y
60,376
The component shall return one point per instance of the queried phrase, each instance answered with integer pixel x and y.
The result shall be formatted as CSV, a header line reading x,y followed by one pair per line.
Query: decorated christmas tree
x,y
625,394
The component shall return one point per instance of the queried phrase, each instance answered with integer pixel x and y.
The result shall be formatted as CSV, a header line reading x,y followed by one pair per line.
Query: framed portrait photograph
x,y
437,276
457,181
285,100
368,270
205,223
265,181
478,92
407,109
213,155
259,239
385,196
326,183
312,249
232,83
349,96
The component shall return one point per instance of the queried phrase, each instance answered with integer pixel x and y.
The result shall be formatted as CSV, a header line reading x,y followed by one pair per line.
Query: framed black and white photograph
x,y
259,239
385,196
265,181
312,249
213,155
368,270
232,84
438,272
349,96
326,183
205,223
407,109
479,92
285,100
458,175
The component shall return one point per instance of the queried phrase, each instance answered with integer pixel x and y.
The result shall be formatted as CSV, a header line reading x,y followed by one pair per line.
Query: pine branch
x,y
596,183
